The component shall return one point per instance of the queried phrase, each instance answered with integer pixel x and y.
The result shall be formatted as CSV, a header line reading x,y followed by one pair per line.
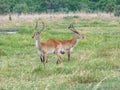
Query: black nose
x,y
32,37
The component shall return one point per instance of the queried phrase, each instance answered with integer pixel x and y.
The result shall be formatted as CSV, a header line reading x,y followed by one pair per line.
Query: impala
x,y
53,46
69,44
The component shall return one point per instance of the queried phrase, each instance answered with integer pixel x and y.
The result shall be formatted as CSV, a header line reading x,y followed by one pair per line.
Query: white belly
x,y
51,51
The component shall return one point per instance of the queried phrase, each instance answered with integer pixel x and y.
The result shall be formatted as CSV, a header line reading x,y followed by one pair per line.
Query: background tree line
x,y
48,6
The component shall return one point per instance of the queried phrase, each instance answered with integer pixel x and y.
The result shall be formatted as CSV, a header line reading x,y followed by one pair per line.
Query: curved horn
x,y
76,32
43,25
36,25
71,27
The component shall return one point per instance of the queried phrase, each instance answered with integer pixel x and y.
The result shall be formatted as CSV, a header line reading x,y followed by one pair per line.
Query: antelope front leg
x,y
69,56
68,52
59,58
41,58
44,58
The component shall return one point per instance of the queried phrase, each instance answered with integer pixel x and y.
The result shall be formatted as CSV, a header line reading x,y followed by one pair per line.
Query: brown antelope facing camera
x,y
54,46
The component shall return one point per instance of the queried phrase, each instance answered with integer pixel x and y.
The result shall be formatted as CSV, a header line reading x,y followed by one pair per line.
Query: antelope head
x,y
77,34
37,33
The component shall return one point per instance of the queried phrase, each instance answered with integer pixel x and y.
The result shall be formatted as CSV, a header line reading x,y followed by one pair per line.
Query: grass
x,y
94,65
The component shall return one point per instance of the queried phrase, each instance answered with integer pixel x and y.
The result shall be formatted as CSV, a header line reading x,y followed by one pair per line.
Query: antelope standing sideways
x,y
69,44
53,46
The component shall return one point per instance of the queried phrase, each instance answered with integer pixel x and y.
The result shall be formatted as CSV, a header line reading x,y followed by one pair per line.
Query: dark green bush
x,y
117,10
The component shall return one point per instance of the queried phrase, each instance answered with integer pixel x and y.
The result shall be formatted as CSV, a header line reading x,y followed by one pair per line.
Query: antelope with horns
x,y
69,44
53,46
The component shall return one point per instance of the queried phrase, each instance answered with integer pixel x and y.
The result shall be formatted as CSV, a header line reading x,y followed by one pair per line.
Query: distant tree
x,y
30,5
102,4
92,6
94,0
4,7
11,4
21,8
117,2
110,7
74,5
38,6
117,10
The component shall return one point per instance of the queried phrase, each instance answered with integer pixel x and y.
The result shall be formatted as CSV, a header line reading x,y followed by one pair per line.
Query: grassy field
x,y
94,65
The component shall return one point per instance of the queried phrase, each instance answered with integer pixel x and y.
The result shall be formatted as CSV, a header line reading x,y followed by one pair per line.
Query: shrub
x,y
117,10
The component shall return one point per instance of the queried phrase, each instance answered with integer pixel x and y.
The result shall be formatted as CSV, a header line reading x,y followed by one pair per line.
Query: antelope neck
x,y
74,40
38,44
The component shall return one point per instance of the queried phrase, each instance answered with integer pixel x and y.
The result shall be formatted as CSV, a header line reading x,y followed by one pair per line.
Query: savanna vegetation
x,y
50,6
94,64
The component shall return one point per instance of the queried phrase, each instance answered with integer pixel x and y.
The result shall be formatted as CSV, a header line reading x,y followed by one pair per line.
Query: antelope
x,y
68,45
54,46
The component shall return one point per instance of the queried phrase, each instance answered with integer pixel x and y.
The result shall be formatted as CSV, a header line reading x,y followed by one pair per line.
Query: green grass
x,y
94,65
